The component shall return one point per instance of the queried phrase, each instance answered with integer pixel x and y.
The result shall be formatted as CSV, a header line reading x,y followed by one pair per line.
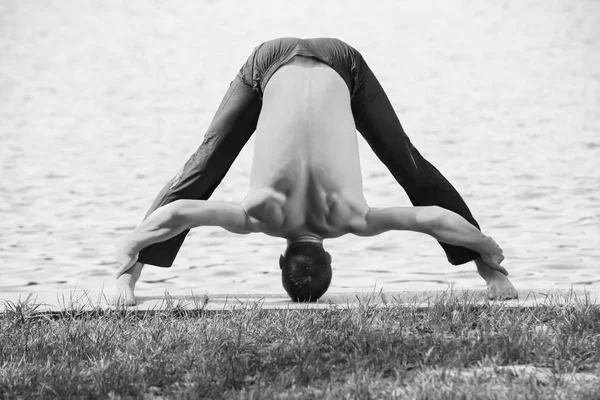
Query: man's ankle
x,y
485,271
133,273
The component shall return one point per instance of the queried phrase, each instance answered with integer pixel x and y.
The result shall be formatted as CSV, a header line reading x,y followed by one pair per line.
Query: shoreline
x,y
93,300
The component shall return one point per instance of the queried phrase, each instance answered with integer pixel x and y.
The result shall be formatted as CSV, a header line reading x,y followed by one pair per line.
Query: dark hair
x,y
305,271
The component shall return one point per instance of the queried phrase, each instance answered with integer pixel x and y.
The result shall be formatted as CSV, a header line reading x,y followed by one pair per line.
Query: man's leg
x,y
230,129
377,121
232,126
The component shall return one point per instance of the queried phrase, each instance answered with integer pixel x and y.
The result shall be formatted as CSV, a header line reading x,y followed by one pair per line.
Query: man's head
x,y
305,271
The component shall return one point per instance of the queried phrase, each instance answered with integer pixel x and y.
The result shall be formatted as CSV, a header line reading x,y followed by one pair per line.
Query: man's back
x,y
306,172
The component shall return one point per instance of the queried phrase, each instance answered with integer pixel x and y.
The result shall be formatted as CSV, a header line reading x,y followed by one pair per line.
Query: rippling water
x,y
102,102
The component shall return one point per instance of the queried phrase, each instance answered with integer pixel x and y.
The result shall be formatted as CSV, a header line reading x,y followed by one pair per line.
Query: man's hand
x,y
492,255
127,256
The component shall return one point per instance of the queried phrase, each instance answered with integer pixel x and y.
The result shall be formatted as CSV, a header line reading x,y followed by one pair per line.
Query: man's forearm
x,y
451,228
161,225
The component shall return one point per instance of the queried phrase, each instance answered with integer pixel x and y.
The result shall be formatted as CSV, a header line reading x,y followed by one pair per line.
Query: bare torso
x,y
306,177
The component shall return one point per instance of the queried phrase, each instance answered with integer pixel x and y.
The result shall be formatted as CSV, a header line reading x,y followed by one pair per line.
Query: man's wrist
x,y
130,245
481,243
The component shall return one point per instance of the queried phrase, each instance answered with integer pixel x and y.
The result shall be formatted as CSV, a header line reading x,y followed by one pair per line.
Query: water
x,y
102,102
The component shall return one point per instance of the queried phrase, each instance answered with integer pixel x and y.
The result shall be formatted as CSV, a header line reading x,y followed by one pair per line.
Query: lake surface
x,y
102,102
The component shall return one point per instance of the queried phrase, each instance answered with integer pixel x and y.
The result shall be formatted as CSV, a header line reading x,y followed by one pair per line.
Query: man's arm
x,y
444,225
173,218
233,124
425,185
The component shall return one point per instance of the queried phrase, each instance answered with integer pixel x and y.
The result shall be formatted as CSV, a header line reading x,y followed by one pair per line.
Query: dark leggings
x,y
237,116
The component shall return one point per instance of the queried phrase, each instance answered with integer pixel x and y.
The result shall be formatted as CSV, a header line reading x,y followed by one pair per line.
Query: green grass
x,y
453,349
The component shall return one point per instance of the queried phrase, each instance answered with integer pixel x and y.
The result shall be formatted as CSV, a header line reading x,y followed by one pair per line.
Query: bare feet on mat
x,y
499,286
123,291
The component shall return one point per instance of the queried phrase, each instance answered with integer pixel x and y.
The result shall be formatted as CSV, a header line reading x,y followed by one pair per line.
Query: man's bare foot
x,y
499,286
123,291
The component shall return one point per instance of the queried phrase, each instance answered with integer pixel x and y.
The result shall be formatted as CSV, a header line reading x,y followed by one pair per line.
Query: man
x,y
304,99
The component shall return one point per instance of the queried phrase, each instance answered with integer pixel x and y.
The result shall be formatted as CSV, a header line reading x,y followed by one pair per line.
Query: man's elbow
x,y
430,219
176,214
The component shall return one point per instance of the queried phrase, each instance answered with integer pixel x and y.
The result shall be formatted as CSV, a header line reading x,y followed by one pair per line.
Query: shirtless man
x,y
304,99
